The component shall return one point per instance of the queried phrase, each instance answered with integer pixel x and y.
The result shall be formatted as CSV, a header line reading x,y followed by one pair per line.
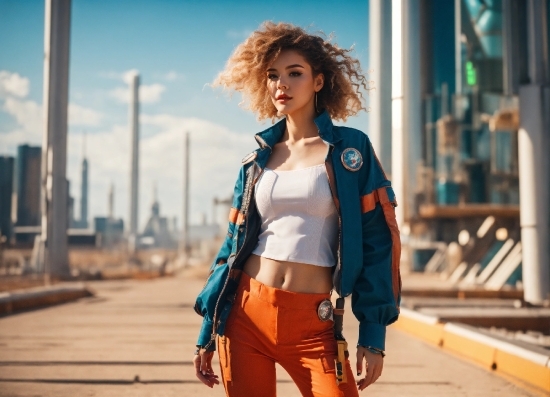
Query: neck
x,y
301,125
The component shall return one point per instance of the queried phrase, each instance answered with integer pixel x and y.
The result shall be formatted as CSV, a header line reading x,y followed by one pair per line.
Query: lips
x,y
283,97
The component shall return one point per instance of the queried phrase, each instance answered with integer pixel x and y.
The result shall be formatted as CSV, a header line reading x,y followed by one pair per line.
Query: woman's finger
x,y
198,373
359,356
204,361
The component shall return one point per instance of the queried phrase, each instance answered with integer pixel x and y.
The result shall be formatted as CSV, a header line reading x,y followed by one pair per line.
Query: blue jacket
x,y
369,244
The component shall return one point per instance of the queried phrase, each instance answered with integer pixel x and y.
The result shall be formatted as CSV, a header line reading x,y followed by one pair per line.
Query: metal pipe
x,y
54,149
534,186
185,215
380,36
458,47
397,138
509,69
412,102
134,162
537,41
534,165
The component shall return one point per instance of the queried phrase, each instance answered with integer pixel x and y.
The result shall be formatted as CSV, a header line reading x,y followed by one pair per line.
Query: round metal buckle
x,y
324,310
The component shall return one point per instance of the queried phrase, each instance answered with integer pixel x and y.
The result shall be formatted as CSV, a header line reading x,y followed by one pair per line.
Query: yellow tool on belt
x,y
341,375
343,354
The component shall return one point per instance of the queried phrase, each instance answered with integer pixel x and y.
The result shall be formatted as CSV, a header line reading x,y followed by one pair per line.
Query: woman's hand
x,y
203,368
373,367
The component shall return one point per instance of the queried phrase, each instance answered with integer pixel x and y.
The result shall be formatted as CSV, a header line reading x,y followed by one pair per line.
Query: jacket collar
x,y
269,137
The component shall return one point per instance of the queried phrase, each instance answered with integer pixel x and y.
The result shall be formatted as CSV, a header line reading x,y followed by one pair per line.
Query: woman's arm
x,y
377,289
207,298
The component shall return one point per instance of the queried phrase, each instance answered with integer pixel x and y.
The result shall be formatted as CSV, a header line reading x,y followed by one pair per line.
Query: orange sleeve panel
x,y
235,216
388,207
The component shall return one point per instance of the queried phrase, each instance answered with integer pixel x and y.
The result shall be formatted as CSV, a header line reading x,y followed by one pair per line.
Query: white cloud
x,y
121,94
171,75
216,154
129,75
151,93
215,158
79,115
29,117
27,113
13,84
147,93
122,76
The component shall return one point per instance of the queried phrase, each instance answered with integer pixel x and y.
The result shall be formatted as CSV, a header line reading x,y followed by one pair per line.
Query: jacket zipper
x,y
216,322
334,193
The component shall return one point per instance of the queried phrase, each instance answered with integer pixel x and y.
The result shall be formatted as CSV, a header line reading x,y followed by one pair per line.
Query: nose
x,y
282,84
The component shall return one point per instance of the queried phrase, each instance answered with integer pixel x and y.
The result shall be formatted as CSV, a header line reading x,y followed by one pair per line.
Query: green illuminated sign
x,y
471,77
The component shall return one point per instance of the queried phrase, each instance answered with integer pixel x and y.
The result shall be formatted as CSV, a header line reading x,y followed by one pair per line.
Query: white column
x,y
380,47
397,137
458,47
134,162
54,148
534,165
185,214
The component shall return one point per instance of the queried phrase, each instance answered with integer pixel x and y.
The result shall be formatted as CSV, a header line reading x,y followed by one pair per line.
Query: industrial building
x,y
27,185
463,130
6,188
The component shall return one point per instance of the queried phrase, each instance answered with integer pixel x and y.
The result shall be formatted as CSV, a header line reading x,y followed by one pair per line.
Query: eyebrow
x,y
296,65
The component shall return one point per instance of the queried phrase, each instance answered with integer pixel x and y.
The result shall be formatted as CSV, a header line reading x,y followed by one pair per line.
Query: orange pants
x,y
269,325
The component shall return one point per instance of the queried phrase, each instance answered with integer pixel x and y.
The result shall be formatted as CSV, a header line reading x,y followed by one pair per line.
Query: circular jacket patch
x,y
352,159
249,157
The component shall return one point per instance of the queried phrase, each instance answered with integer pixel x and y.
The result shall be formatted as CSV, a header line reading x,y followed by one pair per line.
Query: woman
x,y
312,212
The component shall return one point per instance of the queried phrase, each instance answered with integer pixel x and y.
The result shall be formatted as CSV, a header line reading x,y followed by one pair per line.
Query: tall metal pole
x,y
509,53
380,36
84,189
185,215
412,102
534,165
458,47
398,146
54,148
111,201
134,162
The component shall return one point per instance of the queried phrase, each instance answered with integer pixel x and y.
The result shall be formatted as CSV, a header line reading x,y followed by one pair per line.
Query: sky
x,y
178,47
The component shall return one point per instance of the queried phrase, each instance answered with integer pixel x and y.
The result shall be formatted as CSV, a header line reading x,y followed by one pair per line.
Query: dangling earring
x,y
316,109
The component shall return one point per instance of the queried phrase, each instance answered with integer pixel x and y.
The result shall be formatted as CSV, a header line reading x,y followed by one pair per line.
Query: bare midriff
x,y
289,276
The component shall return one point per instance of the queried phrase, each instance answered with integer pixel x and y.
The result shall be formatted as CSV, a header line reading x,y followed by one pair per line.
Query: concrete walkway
x,y
135,338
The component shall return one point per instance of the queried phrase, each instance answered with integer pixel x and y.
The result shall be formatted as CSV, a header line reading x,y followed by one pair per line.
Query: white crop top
x,y
299,218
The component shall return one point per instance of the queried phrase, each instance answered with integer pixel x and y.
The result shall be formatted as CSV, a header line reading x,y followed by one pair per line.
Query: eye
x,y
271,76
295,74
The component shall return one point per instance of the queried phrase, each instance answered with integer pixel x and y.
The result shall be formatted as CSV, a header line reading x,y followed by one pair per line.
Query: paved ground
x,y
135,338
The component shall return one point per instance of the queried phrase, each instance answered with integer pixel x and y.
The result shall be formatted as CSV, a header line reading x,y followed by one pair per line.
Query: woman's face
x,y
291,83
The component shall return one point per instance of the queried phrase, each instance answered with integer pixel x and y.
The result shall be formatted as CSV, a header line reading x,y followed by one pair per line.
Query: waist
x,y
289,276
279,297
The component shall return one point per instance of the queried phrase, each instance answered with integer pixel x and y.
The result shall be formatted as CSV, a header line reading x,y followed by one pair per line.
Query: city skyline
x,y
178,48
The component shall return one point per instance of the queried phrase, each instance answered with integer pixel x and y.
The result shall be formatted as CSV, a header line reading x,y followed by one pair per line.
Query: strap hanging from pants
x,y
343,354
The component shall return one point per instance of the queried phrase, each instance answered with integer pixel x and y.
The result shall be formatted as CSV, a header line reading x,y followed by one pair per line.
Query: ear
x,y
319,82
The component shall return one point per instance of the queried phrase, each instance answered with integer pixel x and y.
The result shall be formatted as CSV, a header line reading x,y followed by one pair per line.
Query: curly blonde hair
x,y
245,70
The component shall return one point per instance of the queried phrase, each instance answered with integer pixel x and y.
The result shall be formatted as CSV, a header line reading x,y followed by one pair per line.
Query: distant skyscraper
x,y
27,185
72,222
134,166
6,189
